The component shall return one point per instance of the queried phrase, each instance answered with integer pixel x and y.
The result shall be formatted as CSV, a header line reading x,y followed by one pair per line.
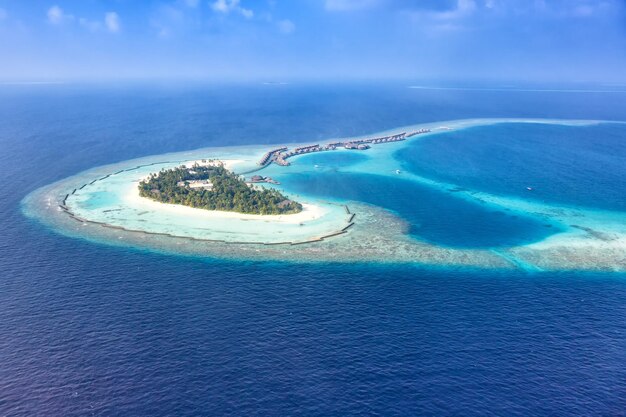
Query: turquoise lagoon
x,y
485,193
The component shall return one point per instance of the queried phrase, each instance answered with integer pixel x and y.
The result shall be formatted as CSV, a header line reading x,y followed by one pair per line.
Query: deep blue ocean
x,y
88,329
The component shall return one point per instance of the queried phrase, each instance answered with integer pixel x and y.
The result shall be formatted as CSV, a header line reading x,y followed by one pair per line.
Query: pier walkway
x,y
280,155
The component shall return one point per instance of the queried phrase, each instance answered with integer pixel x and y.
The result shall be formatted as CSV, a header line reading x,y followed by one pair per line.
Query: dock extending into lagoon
x,y
280,155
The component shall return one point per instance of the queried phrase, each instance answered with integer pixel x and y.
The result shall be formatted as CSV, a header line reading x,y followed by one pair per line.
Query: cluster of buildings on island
x,y
280,155
259,178
208,185
196,184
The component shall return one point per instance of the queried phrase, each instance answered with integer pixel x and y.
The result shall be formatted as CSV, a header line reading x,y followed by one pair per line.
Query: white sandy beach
x,y
309,211
133,199
228,163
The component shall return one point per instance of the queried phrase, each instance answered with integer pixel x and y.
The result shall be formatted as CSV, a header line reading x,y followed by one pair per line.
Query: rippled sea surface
x,y
90,329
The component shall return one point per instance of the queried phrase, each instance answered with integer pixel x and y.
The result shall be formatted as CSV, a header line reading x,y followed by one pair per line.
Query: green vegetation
x,y
228,191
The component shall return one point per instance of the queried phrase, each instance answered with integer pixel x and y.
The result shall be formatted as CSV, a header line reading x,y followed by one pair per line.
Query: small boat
x,y
316,166
529,188
398,171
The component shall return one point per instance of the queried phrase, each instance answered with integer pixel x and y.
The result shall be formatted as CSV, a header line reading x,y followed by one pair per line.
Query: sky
x,y
280,40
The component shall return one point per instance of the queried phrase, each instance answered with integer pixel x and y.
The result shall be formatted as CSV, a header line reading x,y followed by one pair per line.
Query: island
x,y
217,212
210,186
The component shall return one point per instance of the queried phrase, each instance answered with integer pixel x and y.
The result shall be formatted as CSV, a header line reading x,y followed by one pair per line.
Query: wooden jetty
x,y
270,155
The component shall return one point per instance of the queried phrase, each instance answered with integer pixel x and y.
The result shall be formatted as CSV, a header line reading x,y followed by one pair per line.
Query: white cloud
x,y
221,6
56,16
112,22
227,6
286,26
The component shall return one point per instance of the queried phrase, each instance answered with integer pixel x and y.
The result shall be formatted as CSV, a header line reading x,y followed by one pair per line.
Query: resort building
x,y
195,184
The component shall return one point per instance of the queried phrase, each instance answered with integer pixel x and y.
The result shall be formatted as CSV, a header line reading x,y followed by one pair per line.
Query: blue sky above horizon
x,y
524,40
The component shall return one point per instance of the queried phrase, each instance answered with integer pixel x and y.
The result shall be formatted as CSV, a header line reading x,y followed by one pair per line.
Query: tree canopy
x,y
228,192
